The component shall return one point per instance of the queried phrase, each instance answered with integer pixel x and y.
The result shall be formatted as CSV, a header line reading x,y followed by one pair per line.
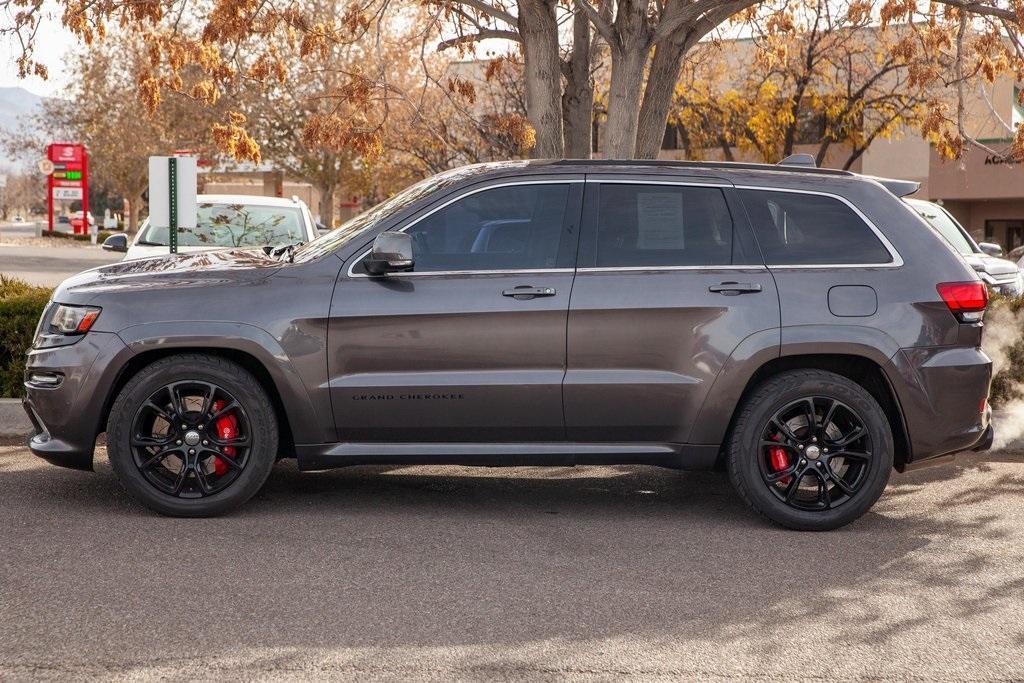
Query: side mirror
x,y
391,252
116,243
990,248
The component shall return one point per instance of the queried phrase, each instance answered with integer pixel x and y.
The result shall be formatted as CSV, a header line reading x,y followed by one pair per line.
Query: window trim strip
x,y
897,259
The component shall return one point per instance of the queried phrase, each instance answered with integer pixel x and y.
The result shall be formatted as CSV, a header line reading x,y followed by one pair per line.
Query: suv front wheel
x,y
192,435
810,450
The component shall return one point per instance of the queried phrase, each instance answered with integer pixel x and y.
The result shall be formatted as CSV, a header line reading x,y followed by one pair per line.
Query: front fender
x,y
310,422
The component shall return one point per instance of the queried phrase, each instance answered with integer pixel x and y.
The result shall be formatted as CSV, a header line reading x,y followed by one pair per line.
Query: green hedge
x,y
21,304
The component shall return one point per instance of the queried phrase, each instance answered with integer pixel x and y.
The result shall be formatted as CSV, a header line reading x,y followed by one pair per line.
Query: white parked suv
x,y
226,222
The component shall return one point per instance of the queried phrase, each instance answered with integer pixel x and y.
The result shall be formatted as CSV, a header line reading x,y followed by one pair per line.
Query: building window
x,y
1018,108
1009,234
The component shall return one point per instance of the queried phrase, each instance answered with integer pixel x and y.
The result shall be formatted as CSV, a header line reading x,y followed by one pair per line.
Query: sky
x,y
52,44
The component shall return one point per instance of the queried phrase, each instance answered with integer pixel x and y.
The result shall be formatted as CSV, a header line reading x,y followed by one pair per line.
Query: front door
x,y
669,283
470,345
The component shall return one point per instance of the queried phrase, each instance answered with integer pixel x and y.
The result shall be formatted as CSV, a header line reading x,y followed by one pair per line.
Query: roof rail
x,y
698,165
802,160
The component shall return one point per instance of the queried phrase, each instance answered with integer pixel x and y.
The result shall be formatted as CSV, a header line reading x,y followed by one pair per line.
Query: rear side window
x,y
796,229
663,225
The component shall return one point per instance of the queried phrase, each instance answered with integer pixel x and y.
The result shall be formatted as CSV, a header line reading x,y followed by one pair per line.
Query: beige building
x,y
985,193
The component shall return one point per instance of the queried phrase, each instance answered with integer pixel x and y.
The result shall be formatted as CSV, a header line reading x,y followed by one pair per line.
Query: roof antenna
x,y
803,160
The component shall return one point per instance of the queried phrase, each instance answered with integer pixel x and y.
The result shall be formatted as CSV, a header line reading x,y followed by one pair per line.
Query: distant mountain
x,y
16,104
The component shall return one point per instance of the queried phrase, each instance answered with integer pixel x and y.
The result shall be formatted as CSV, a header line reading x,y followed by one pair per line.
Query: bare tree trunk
x,y
726,149
624,102
665,65
326,207
135,204
539,32
661,83
819,159
578,98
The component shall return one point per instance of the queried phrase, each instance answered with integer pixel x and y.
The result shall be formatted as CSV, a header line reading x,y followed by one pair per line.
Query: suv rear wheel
x,y
810,450
192,436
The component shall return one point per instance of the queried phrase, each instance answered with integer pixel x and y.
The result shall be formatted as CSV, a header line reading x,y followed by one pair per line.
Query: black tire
x,y
236,384
749,464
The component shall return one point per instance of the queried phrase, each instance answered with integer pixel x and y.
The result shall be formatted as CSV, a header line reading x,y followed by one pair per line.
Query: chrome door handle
x,y
524,292
734,288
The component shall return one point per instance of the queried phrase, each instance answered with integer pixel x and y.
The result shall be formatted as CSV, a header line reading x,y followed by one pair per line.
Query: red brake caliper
x,y
227,428
778,460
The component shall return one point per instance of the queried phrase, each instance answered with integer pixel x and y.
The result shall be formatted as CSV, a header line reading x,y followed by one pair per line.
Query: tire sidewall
x,y
236,381
774,395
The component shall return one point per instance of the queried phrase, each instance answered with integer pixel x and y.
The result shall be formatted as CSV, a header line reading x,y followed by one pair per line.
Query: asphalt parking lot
x,y
48,265
447,572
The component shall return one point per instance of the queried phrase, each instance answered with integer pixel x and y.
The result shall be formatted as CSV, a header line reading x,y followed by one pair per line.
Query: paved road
x,y
48,266
8,230
441,573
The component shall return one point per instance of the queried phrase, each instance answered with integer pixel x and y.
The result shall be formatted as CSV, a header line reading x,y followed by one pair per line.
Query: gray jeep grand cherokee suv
x,y
802,328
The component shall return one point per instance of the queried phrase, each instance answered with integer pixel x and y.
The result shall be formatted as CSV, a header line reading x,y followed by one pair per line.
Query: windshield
x,y
234,225
371,217
947,227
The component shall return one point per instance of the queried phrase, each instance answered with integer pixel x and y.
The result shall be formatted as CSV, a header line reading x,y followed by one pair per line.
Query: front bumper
x,y
66,417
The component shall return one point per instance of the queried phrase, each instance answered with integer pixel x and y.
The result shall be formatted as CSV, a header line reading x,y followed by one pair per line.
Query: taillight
x,y
966,300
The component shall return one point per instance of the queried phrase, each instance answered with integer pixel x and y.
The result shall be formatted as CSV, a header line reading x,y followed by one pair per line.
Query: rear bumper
x,y
67,417
943,392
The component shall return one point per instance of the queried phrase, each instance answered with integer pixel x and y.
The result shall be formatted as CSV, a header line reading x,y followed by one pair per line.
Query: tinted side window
x,y
797,229
663,225
504,228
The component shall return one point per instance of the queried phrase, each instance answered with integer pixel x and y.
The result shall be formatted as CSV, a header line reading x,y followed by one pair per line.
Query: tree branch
x,y
602,26
982,9
490,10
483,34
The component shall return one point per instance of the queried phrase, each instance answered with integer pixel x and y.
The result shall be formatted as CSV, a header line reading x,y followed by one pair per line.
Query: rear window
x,y
797,229
663,225
235,225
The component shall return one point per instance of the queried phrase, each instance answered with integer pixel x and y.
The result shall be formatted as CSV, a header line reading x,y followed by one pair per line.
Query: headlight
x,y
73,319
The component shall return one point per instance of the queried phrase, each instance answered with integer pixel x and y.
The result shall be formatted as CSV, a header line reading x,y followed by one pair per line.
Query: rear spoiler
x,y
900,188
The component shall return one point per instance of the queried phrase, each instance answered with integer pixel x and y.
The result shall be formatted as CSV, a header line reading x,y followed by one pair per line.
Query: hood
x,y
992,265
203,269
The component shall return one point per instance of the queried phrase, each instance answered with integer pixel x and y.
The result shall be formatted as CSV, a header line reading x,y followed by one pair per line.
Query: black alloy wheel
x,y
191,439
815,453
192,435
810,449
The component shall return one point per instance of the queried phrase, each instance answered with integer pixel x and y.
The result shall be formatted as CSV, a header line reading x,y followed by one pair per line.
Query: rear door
x,y
470,345
669,283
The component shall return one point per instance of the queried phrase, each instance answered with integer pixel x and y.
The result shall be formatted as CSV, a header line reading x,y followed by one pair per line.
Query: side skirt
x,y
674,456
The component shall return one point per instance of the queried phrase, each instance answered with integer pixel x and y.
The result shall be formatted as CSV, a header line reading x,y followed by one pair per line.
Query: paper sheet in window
x,y
660,220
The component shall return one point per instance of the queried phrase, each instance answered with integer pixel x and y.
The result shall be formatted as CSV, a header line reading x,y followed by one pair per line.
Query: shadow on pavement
x,y
494,570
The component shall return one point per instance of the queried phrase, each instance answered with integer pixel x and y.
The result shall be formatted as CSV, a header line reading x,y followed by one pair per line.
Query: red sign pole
x,y
85,191
49,190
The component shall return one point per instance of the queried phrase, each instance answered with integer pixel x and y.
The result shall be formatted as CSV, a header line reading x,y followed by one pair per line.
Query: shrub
x,y
100,236
21,305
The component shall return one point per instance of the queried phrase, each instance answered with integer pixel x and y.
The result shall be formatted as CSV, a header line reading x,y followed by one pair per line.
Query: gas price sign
x,y
67,168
